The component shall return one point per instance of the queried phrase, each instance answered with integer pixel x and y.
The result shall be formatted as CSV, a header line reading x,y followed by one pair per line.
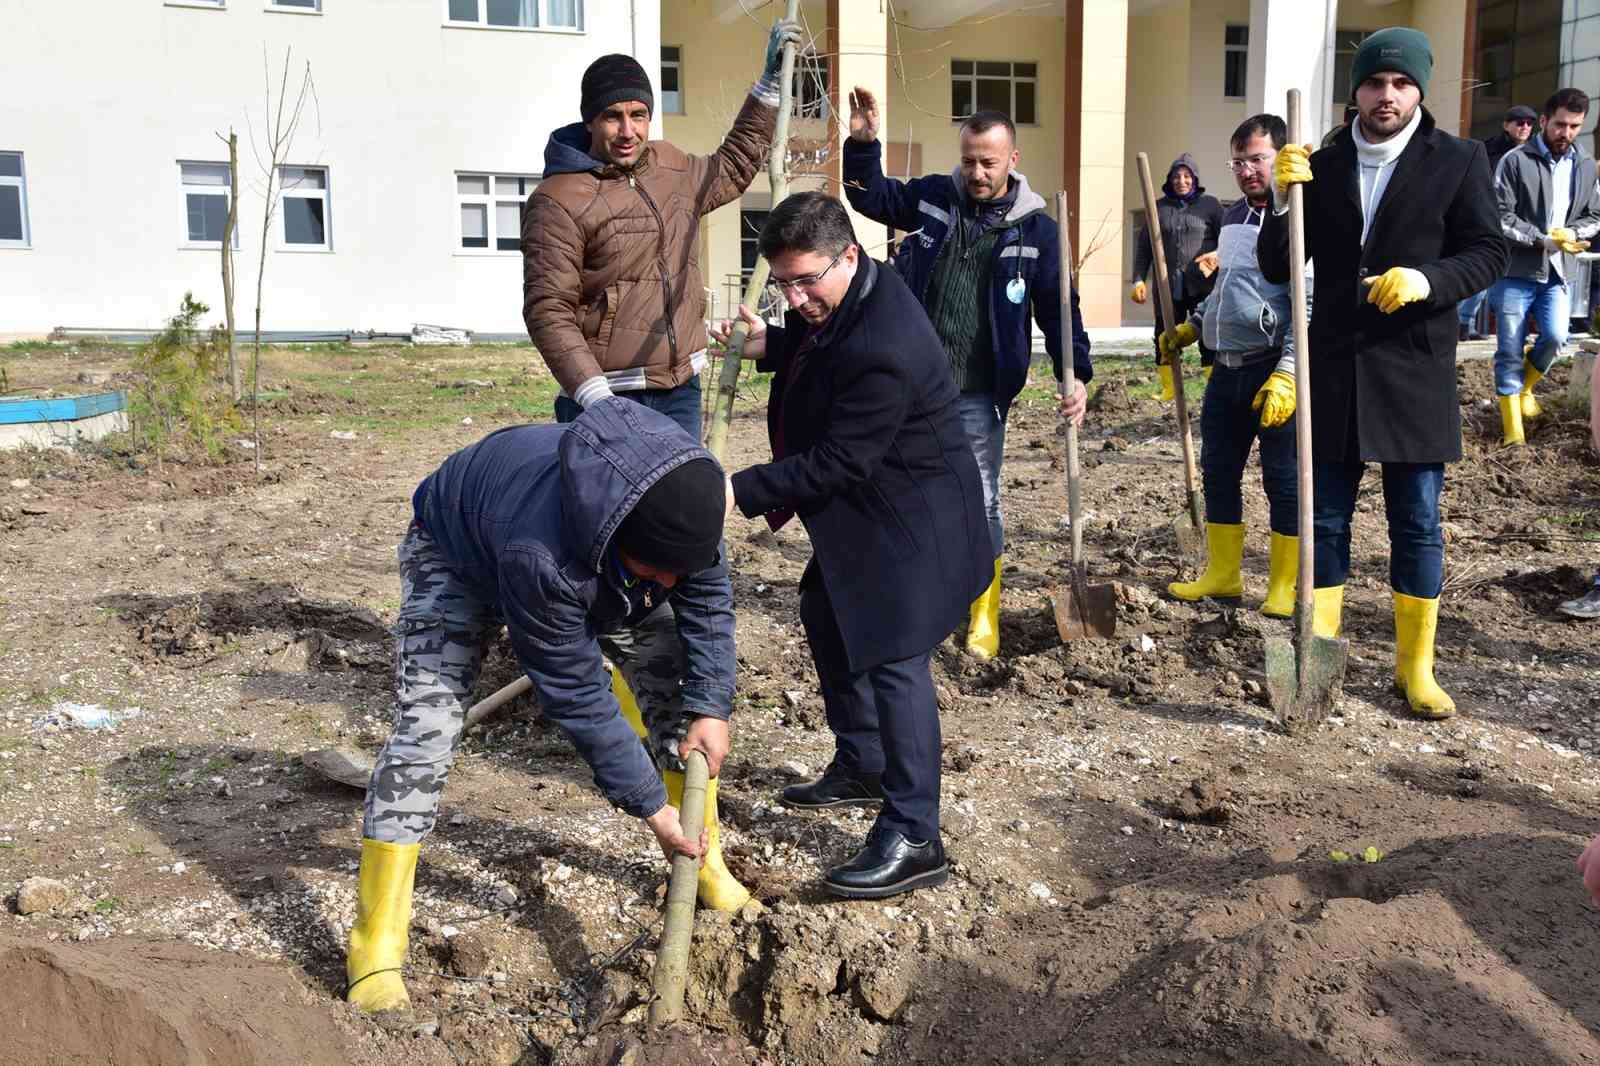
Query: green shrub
x,y
179,400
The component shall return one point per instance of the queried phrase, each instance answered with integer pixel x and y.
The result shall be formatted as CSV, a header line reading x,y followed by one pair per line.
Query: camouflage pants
x,y
443,630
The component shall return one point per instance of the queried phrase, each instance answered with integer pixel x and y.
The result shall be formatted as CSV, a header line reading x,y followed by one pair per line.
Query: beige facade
x,y
1110,78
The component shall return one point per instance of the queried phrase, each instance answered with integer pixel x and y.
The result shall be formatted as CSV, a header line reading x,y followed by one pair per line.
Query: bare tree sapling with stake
x,y
279,128
235,388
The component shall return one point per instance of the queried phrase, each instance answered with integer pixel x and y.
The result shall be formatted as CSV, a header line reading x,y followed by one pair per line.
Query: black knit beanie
x,y
677,524
1398,48
612,79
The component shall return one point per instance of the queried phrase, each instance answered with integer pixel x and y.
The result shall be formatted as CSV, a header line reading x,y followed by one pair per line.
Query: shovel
x,y
1303,676
1189,528
1082,609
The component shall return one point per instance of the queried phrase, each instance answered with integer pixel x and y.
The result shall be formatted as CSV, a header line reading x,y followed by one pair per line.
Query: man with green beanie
x,y
1401,220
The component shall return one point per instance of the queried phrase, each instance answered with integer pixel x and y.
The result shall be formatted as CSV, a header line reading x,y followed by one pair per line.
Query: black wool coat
x,y
877,468
1383,387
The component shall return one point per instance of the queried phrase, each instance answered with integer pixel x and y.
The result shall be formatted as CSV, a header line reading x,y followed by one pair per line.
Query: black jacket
x,y
1522,186
1188,229
878,469
1497,146
1383,387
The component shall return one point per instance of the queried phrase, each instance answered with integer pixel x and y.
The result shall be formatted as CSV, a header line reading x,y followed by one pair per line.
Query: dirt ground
x,y
1142,856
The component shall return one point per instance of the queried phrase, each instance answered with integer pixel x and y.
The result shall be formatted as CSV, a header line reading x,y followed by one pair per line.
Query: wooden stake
x,y
671,975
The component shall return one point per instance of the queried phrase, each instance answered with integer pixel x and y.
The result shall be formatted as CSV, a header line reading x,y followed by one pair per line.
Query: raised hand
x,y
863,115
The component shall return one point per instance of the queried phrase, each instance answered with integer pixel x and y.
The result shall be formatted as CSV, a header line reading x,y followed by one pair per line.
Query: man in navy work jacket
x,y
869,452
1401,219
598,537
984,253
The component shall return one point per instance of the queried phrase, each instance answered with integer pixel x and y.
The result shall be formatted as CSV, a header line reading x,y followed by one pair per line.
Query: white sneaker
x,y
1584,607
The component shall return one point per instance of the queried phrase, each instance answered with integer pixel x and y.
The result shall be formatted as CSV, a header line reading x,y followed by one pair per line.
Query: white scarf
x,y
1375,165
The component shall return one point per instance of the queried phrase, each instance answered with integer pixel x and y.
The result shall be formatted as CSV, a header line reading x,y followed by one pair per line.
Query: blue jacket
x,y
1028,249
526,517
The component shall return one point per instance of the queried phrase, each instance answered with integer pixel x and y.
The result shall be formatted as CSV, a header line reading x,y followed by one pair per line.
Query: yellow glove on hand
x,y
1275,399
1568,241
1396,287
1174,341
1292,167
1139,293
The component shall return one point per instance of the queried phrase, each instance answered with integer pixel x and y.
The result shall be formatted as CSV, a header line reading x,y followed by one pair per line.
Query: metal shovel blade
x,y
1191,541
1084,610
1304,689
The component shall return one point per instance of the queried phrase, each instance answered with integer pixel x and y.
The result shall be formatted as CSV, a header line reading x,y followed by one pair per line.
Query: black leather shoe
x,y
834,789
889,865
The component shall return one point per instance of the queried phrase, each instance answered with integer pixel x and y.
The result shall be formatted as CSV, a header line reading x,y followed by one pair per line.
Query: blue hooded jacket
x,y
1028,249
526,517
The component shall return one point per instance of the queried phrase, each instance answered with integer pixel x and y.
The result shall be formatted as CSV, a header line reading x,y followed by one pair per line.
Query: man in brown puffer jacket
x,y
612,292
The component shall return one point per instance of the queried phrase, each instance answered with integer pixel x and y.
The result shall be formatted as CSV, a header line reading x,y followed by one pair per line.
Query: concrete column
x,y
1291,47
858,32
1094,154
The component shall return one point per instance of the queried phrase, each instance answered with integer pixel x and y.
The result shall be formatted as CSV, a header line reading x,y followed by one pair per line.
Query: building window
x,y
516,14
984,85
671,80
1345,43
1236,61
13,201
205,203
305,208
297,5
810,85
491,210
1523,50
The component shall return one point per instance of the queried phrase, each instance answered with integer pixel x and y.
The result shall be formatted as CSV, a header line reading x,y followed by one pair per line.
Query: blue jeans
x,y
980,419
1467,310
1545,302
1411,501
885,720
1227,429
681,404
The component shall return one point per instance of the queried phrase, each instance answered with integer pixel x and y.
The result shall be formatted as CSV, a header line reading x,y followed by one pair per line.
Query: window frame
x,y
1243,49
541,13
677,65
184,189
1012,79
490,201
203,5
20,183
325,194
294,9
1342,55
809,66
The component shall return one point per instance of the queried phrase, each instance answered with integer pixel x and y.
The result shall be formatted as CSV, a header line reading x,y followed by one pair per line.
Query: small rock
x,y
798,769
1146,644
458,819
39,895
220,787
506,896
1078,765
343,434
751,911
1252,687
422,1029
1019,826
794,697
180,868
449,932
467,421
20,482
1039,890
1126,830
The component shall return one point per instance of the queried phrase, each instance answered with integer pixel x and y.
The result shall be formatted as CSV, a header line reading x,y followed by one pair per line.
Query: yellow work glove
x,y
1396,287
1568,241
1139,293
1293,167
1174,341
1275,399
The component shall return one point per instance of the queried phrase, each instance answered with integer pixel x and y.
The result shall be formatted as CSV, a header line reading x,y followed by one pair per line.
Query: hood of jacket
x,y
567,152
1186,161
609,456
1027,201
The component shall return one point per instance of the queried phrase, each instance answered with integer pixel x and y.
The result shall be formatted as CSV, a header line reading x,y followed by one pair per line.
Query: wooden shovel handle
x,y
1302,381
1074,473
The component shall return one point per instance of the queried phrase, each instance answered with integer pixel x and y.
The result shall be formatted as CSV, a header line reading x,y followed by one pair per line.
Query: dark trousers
x,y
885,720
681,404
1411,501
1183,309
1228,426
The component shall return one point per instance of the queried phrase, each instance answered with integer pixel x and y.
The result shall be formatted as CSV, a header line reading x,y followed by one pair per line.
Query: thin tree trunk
x,y
778,176
235,387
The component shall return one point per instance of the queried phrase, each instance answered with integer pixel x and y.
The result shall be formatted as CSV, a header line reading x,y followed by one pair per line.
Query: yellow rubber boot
x,y
719,889
630,706
1168,392
1283,567
983,623
1511,420
1224,553
1327,608
1416,621
380,936
1531,376
1205,372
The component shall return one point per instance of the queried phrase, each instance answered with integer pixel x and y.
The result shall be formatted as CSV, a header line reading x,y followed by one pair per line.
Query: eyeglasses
x,y
1249,162
796,284
1521,122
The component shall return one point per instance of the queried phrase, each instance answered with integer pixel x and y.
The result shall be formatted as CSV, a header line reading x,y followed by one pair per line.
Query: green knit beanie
x,y
1398,48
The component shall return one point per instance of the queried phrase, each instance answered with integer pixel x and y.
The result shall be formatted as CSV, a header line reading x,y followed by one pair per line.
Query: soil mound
x,y
132,1003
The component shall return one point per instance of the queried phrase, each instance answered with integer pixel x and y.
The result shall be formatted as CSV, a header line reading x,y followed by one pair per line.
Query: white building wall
x,y
105,98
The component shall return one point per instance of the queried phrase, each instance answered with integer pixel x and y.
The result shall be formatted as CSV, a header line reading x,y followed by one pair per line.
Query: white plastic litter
x,y
86,715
